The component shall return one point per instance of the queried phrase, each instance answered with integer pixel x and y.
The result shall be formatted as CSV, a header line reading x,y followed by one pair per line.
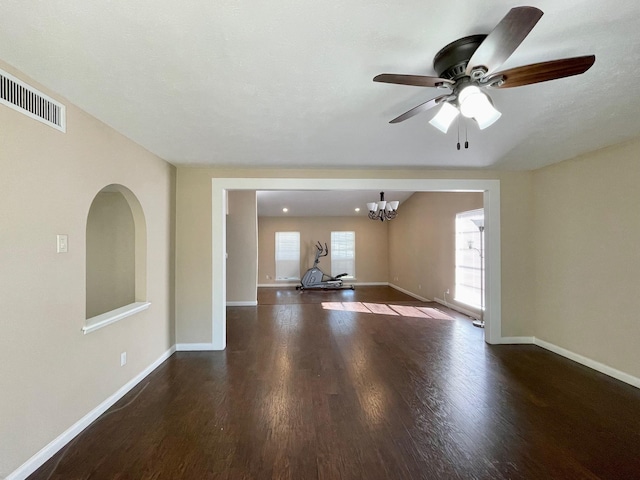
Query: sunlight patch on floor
x,y
386,309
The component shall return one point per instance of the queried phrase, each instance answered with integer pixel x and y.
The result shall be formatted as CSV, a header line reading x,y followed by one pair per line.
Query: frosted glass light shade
x,y
382,204
445,117
475,104
373,206
392,205
488,116
471,101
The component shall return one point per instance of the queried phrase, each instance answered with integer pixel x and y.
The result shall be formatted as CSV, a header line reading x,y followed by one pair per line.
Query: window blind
x,y
287,255
343,253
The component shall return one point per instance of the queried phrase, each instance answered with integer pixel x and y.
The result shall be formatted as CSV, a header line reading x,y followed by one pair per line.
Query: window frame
x,y
293,261
338,261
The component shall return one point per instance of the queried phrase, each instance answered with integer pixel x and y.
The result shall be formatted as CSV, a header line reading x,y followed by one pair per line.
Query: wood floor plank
x,y
337,385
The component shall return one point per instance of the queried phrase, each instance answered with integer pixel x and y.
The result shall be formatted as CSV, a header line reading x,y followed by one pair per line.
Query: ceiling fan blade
x,y
504,38
415,80
543,71
420,108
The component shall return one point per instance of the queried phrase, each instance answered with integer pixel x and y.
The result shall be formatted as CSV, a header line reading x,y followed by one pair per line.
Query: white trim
x,y
491,195
250,303
518,340
492,265
457,308
407,292
278,285
99,321
575,357
587,362
195,347
370,284
59,442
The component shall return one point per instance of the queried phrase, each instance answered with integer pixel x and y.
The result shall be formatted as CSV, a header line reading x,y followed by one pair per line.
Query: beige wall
x,y
587,260
242,247
110,257
422,242
51,374
371,244
194,240
193,256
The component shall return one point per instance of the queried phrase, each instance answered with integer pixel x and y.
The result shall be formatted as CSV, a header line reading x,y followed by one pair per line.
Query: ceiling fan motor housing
x,y
451,61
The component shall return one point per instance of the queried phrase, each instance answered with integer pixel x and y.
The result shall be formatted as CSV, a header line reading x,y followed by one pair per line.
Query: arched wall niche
x,y
116,257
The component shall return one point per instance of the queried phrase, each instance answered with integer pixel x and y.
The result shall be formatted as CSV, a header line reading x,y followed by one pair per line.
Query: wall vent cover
x,y
25,99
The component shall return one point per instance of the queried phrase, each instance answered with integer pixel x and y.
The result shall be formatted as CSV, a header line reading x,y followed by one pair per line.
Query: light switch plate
x,y
62,243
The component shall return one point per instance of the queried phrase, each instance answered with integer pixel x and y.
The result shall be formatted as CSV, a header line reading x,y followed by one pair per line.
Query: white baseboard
x,y
278,285
457,308
587,362
581,359
368,284
250,303
195,347
55,445
411,294
518,340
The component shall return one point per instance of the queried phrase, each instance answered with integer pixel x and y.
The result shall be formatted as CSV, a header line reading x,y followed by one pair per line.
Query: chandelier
x,y
383,210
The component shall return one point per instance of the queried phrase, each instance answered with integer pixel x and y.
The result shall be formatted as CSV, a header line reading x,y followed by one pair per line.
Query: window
x,y
287,255
469,258
343,253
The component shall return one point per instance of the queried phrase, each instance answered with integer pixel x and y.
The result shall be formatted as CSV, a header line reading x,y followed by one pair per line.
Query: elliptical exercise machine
x,y
316,278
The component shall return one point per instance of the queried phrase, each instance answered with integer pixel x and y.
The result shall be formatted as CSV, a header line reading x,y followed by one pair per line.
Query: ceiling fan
x,y
468,67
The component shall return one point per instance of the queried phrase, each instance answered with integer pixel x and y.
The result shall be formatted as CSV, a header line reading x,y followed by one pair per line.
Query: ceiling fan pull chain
x,y
458,146
466,136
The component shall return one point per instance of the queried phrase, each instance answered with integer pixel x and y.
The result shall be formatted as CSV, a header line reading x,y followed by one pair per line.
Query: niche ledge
x,y
99,321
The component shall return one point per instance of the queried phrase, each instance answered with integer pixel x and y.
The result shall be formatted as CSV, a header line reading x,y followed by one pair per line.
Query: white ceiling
x,y
321,203
289,83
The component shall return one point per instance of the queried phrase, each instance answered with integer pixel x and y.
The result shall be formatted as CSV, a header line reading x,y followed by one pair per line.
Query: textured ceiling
x,y
289,83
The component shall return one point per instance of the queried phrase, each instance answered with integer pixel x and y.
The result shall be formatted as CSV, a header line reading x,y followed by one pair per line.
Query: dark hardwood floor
x,y
313,385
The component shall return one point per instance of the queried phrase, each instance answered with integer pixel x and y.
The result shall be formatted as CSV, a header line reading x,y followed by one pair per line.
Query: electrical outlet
x,y
447,292
419,287
123,359
268,277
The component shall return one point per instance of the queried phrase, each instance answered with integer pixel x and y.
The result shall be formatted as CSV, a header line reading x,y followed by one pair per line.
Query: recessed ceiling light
x,y
285,209
357,209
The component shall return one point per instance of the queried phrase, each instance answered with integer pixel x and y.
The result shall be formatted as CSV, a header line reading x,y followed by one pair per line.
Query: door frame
x,y
489,187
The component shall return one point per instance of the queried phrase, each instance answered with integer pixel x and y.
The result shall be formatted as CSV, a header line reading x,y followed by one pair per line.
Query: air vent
x,y
25,99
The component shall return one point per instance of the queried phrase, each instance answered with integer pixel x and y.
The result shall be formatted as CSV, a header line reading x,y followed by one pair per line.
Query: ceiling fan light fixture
x,y
477,105
445,117
471,101
487,117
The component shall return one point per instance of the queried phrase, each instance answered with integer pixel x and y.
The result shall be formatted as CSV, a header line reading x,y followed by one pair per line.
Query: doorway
x,y
491,193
